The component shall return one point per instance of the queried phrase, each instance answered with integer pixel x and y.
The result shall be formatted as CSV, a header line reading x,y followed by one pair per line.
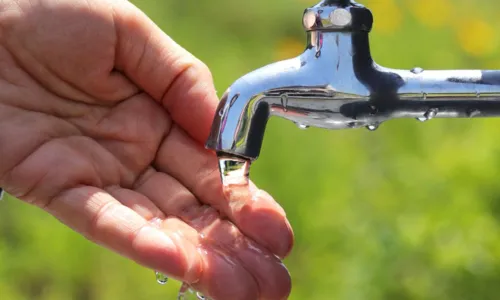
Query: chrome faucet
x,y
335,84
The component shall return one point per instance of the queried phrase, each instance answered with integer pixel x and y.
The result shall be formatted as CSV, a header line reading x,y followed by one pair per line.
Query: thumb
x,y
165,70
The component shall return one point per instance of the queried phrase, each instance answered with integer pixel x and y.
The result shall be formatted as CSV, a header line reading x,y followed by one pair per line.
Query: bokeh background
x,y
411,211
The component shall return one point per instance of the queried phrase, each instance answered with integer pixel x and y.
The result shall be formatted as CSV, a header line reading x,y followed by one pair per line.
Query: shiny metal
x,y
335,84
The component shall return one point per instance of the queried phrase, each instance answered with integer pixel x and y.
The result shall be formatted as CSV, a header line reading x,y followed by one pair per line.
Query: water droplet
x,y
234,170
372,127
302,126
429,115
184,291
161,278
417,70
309,19
473,113
284,102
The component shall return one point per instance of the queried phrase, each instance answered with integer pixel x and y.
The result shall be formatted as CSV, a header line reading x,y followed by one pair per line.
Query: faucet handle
x,y
338,15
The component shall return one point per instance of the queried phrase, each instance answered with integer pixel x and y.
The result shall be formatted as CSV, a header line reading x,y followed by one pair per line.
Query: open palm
x,y
102,124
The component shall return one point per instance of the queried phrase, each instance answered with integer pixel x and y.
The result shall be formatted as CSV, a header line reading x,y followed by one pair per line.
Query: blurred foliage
x,y
411,211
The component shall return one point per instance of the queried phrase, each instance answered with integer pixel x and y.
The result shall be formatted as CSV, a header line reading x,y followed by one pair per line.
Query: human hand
x,y
102,124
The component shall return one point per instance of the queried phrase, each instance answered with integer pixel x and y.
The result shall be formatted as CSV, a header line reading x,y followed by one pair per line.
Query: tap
x,y
336,84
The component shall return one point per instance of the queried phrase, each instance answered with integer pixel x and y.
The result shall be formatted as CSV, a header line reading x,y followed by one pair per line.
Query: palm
x,y
105,132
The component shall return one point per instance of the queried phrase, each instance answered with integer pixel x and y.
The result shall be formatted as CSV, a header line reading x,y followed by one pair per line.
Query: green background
x,y
411,211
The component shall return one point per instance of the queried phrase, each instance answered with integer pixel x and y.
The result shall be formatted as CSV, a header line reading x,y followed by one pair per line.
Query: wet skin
x,y
102,123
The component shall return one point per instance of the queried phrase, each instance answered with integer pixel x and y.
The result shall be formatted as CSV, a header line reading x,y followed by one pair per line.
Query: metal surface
x,y
335,84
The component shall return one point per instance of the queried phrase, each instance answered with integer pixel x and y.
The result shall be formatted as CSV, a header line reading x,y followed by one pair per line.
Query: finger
x,y
171,197
271,275
165,70
139,203
104,220
224,277
170,246
253,211
218,236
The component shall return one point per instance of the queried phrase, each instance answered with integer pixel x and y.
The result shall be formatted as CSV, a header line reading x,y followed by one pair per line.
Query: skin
x,y
103,119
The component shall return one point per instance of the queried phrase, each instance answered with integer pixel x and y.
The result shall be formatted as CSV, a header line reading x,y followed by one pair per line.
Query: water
x,y
417,70
302,126
161,278
1,194
187,293
429,115
372,127
234,171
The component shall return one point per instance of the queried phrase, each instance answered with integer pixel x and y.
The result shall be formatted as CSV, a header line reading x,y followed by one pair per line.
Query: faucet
x,y
335,84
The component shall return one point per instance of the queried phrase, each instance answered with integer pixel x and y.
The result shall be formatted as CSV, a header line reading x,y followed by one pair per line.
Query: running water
x,y
234,174
234,171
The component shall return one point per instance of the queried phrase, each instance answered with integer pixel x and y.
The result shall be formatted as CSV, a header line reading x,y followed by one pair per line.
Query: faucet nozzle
x,y
335,84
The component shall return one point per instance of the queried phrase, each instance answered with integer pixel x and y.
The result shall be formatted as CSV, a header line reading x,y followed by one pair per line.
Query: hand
x,y
102,123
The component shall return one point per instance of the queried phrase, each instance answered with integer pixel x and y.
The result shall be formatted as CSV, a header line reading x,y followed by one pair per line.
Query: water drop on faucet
x,y
417,70
161,278
372,127
302,126
429,115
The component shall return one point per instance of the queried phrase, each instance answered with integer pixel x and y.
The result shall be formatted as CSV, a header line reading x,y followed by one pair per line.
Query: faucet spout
x,y
335,84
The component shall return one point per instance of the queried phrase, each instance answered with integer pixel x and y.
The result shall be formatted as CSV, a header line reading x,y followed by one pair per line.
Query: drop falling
x,y
372,127
161,278
234,170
